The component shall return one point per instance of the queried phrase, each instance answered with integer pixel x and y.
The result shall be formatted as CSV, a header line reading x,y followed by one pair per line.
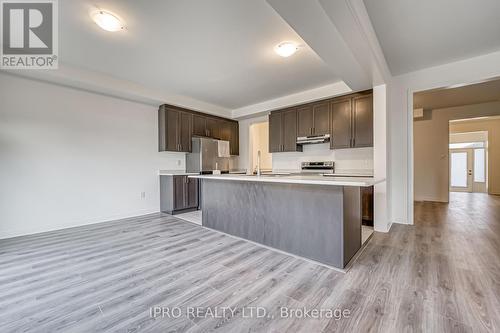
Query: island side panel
x,y
305,220
352,222
233,208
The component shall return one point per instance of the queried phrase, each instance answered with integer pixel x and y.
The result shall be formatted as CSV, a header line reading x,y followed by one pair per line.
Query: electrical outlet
x,y
143,195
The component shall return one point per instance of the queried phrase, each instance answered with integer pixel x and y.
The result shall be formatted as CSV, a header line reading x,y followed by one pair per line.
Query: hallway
x,y
456,257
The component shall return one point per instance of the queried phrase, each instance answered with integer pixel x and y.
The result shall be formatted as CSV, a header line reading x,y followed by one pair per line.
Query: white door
x,y
479,170
461,170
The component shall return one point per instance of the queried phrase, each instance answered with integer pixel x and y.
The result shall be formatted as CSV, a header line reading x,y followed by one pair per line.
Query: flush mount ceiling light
x,y
286,49
107,20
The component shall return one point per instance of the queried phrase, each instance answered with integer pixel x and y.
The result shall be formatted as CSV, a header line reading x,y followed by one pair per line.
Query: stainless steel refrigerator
x,y
204,157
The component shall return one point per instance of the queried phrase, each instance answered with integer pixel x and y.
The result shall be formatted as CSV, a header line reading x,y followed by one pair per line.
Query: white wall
x,y
345,159
259,141
69,157
431,148
400,120
244,159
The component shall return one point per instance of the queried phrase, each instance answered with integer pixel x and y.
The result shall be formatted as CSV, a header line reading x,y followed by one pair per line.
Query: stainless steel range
x,y
325,167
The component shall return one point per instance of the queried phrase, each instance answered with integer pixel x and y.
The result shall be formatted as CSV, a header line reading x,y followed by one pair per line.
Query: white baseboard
x,y
10,233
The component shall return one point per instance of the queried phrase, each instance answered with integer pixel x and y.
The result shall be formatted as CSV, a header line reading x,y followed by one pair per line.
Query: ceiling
x,y
483,92
416,34
217,51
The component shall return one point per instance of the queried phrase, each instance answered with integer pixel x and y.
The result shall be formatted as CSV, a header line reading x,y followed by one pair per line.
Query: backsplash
x,y
345,159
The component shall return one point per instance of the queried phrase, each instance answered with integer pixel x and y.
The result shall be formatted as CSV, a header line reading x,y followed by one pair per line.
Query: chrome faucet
x,y
258,162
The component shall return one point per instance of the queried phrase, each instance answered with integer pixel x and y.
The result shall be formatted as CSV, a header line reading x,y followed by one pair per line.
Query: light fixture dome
x,y
286,49
107,20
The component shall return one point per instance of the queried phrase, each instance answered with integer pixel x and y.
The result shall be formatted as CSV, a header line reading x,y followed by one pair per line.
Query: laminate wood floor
x,y
441,275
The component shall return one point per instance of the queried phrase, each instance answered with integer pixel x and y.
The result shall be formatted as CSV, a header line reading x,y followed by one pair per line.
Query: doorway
x,y
454,142
468,164
259,141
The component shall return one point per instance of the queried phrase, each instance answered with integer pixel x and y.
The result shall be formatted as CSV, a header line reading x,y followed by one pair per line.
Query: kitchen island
x,y
311,216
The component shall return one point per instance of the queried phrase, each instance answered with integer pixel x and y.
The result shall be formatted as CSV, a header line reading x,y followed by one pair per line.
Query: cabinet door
x,y
367,205
275,132
162,131
305,120
289,129
363,121
235,138
225,130
321,112
185,131
341,124
192,193
212,128
179,192
199,125
172,130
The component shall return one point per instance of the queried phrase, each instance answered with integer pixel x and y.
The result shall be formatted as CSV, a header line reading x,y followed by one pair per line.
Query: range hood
x,y
303,140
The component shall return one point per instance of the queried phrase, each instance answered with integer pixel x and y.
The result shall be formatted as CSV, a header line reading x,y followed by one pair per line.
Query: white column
x,y
381,216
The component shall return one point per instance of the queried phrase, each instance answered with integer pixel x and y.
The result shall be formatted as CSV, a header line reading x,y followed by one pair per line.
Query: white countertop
x,y
176,173
298,179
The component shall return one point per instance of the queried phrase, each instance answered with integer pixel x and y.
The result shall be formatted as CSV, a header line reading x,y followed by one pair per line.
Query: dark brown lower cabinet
x,y
178,194
367,205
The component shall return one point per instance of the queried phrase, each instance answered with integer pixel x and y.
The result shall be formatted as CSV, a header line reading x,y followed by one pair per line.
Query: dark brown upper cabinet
x,y
176,127
275,132
199,125
175,130
213,128
321,118
234,142
313,119
305,120
225,130
206,126
283,131
229,131
362,114
352,121
348,119
341,123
